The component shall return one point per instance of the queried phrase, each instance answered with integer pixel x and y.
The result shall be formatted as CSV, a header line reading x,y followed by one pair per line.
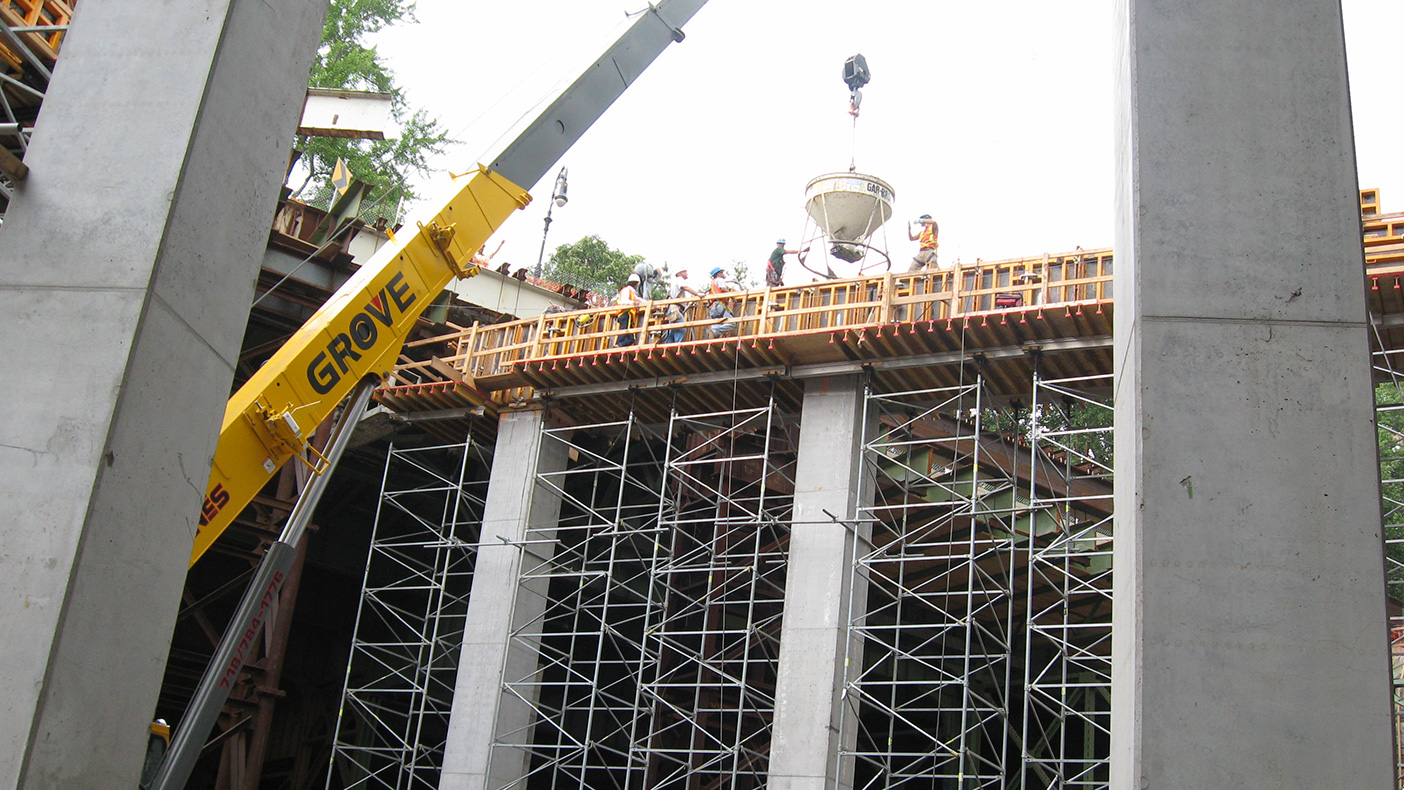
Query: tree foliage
x,y
741,273
592,263
345,61
1082,428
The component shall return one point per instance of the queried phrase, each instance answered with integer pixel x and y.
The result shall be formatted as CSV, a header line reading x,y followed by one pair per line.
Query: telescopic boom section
x,y
362,328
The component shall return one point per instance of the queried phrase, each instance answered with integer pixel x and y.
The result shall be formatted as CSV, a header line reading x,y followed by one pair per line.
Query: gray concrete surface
x,y
498,605
127,262
809,709
1249,621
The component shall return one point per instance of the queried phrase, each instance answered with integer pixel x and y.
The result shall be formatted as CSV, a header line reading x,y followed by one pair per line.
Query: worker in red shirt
x,y
926,254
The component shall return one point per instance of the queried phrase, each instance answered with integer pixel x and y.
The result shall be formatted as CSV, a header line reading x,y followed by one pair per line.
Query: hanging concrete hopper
x,y
848,207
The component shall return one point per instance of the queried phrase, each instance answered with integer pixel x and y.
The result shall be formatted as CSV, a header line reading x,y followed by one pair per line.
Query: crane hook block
x,y
855,72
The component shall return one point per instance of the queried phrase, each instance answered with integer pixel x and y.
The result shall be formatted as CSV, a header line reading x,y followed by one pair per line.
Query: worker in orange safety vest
x,y
926,253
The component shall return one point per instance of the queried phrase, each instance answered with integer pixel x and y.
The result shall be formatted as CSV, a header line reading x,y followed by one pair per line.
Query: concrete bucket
x,y
848,207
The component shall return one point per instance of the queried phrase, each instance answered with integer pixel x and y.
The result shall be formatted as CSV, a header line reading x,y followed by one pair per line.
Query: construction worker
x,y
681,289
725,321
720,285
720,308
648,277
677,313
482,260
775,267
629,302
926,254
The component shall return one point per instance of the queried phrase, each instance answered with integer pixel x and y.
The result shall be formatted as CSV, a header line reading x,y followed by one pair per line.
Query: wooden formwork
x,y
908,330
45,44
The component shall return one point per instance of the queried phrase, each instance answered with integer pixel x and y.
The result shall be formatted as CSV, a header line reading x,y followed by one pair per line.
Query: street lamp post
x,y
558,198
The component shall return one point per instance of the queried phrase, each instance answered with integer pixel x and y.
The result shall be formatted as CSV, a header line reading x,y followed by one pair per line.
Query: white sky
x,y
996,118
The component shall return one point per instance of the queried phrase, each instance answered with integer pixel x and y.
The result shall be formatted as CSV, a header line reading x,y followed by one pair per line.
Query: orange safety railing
x,y
486,351
1384,239
36,14
928,296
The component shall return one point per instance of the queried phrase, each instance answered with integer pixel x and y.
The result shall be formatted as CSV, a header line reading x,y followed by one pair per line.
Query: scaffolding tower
x,y
729,480
1067,659
595,565
659,642
1389,419
398,693
981,606
932,694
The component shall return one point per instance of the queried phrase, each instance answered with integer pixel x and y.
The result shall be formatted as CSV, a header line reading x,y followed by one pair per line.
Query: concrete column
x,y
809,708
499,605
127,262
1250,633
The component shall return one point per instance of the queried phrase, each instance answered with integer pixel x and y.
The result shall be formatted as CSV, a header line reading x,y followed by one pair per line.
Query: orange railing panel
x,y
1078,277
939,295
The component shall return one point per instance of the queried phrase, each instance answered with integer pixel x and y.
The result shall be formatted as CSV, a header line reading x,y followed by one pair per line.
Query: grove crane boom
x,y
360,331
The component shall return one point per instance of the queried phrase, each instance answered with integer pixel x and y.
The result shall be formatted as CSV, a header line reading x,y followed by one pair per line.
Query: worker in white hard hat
x,y
926,237
629,301
775,267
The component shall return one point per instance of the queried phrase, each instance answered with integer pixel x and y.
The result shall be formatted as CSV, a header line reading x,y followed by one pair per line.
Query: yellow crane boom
x,y
359,332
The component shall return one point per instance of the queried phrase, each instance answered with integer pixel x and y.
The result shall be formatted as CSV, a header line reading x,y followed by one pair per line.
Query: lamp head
x,y
559,195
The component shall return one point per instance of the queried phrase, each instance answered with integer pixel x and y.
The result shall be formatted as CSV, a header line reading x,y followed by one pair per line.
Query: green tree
x,y
343,60
591,263
1082,427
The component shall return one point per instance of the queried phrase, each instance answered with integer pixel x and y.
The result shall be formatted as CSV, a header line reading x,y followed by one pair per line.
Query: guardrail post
x,y
956,279
885,309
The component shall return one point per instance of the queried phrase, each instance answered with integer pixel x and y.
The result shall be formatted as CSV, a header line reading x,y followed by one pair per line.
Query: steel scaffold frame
x,y
1067,665
730,485
931,696
660,640
400,677
1389,421
586,687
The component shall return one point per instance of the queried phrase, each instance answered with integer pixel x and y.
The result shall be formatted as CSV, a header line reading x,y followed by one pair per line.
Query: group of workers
x,y
634,295
633,298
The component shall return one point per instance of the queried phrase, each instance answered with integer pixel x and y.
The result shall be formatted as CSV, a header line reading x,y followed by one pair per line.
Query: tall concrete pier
x,y
1249,627
127,262
821,591
499,606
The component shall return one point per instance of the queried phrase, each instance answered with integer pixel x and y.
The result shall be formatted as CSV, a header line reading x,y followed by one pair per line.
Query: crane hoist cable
x,y
855,76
